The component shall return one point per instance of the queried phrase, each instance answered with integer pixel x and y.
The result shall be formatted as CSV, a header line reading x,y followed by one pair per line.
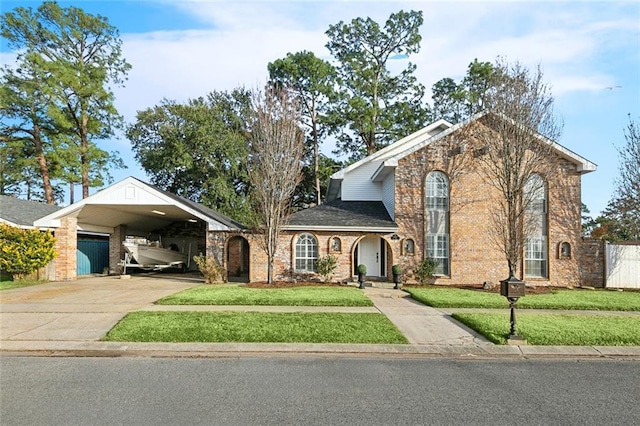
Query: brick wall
x,y
225,245
474,254
591,255
116,249
66,246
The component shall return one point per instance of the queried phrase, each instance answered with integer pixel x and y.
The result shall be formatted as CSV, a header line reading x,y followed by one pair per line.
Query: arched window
x,y
335,245
536,252
564,251
408,247
306,253
437,212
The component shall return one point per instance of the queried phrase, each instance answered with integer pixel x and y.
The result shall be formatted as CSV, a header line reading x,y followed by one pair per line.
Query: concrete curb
x,y
217,350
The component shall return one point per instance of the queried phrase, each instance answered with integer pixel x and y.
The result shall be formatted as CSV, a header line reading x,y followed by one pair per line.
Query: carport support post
x,y
116,251
66,247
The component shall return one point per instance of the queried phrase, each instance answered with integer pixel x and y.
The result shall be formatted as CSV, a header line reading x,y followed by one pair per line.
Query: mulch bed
x,y
289,284
478,287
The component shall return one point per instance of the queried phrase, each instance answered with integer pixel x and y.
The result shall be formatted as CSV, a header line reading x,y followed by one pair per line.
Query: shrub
x,y
326,265
23,251
425,270
362,269
210,268
396,269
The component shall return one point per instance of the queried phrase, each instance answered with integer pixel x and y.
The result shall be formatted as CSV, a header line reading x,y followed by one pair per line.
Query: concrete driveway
x,y
85,309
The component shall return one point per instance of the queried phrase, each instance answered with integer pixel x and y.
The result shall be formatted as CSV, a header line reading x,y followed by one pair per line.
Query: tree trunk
x,y
44,168
84,157
315,164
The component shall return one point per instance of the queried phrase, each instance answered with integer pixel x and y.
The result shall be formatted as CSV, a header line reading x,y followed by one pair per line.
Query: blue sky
x,y
185,49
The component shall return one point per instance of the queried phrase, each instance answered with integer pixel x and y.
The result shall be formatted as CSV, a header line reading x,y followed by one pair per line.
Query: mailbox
x,y
512,288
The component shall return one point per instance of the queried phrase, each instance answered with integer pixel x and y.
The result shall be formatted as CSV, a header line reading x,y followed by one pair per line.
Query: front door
x,y
369,255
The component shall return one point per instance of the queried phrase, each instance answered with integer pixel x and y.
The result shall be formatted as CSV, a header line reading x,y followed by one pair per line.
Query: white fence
x,y
622,266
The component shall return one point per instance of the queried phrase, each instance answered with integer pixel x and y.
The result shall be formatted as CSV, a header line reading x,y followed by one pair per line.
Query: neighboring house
x,y
422,196
22,213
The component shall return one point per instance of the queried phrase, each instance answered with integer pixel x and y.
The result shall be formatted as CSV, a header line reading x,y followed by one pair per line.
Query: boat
x,y
146,254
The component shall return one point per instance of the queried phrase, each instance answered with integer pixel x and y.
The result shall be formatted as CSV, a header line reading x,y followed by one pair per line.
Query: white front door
x,y
369,255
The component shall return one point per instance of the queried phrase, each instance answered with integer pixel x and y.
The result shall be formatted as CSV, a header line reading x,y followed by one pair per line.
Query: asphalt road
x,y
317,391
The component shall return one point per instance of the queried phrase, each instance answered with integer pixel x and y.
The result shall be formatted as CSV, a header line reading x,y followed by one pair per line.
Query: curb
x,y
226,350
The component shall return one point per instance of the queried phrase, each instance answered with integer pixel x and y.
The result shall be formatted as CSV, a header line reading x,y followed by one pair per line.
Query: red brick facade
x,y
474,255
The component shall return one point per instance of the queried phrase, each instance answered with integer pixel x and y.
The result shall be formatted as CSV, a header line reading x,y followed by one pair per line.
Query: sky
x,y
588,51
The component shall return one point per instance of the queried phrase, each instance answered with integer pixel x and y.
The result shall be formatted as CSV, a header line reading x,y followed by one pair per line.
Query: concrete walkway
x,y
69,319
421,324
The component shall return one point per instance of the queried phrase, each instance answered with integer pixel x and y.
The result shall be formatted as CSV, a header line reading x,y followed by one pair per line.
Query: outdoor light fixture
x,y
192,220
158,212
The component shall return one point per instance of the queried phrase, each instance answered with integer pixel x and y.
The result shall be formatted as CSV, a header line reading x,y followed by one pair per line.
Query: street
x,y
316,391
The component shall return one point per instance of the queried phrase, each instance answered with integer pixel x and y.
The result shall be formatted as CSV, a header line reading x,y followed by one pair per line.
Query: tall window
x,y
437,209
306,253
536,252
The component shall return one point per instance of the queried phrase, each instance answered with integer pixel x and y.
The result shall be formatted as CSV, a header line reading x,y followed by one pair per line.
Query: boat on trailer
x,y
143,253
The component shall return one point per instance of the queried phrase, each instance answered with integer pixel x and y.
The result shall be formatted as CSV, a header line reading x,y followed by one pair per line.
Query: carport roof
x,y
22,213
140,206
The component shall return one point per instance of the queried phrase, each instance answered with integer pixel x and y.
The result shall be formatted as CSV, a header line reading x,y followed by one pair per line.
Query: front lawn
x,y
557,330
294,296
255,327
600,300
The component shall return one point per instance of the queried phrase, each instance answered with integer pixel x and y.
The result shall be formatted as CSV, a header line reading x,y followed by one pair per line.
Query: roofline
x,y
395,145
15,225
53,219
384,229
583,165
438,136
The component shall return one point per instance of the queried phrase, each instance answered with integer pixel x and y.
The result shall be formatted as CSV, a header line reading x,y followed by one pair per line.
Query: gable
x,y
355,181
142,207
364,180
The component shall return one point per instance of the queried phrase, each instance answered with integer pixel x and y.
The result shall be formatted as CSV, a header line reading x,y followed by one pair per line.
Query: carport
x,y
133,207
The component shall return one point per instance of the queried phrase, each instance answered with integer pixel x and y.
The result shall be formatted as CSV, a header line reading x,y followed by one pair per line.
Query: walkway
x,y
421,324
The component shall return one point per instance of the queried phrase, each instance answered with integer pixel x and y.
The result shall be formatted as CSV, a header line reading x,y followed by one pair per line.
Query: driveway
x,y
85,309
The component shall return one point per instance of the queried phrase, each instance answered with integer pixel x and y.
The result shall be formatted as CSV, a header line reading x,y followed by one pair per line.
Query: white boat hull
x,y
149,255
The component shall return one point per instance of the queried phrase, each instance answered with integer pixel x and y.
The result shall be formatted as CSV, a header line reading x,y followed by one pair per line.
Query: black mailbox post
x,y
513,289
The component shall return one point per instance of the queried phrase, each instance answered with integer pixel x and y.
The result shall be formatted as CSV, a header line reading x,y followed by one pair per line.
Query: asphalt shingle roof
x,y
23,212
356,214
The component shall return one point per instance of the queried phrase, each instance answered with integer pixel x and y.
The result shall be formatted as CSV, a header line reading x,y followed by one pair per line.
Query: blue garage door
x,y
92,256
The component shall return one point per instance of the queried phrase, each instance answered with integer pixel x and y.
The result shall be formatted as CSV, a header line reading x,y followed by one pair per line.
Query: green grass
x,y
295,296
599,300
255,327
8,285
558,330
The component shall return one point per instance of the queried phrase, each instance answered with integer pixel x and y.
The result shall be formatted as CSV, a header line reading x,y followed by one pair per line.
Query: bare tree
x,y
275,164
624,207
515,140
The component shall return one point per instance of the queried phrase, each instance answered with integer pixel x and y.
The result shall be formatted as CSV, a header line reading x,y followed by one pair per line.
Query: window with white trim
x,y
306,253
536,252
437,226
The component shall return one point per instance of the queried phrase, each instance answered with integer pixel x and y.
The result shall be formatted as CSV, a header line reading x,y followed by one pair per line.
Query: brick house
x,y
424,196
